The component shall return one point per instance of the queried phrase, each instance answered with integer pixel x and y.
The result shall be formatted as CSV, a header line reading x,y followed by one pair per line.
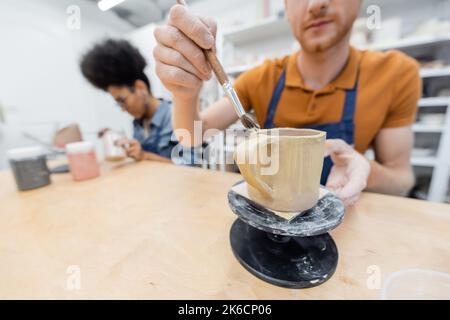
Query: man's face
x,y
321,24
130,99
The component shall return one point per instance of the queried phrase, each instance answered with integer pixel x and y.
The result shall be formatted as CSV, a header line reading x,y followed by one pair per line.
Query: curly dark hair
x,y
114,62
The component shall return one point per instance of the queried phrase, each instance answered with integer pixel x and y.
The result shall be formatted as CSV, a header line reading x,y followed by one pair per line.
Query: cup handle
x,y
248,170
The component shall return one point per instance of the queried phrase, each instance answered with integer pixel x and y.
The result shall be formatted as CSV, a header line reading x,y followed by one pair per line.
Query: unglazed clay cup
x,y
282,167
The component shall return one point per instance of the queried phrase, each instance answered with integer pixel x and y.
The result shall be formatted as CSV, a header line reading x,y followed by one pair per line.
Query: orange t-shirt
x,y
389,88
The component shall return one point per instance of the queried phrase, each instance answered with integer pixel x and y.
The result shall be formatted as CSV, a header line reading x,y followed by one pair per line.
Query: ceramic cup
x,y
112,151
29,166
282,167
82,160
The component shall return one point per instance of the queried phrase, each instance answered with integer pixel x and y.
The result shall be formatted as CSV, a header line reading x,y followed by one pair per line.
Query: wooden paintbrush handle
x,y
216,66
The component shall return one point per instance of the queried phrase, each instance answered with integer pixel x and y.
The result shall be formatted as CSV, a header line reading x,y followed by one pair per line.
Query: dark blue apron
x,y
344,129
148,145
152,146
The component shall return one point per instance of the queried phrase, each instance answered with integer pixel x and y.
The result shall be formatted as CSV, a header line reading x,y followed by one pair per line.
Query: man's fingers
x,y
173,58
177,76
212,25
337,146
191,26
180,60
352,188
352,201
350,171
336,179
171,37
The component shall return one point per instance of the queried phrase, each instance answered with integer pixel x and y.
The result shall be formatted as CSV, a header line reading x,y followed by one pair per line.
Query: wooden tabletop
x,y
157,231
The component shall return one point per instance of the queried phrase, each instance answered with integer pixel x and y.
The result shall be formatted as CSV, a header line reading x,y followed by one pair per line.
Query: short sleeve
x,y
245,86
407,92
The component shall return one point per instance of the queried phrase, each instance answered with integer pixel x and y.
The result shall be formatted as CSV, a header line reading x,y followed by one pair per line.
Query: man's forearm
x,y
185,113
390,180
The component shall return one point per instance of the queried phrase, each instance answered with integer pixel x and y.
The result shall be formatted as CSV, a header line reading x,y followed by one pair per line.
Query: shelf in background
x,y
424,128
435,73
262,30
411,42
434,102
423,161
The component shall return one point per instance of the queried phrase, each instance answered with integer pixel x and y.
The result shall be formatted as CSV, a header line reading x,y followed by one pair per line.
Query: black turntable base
x,y
282,252
291,262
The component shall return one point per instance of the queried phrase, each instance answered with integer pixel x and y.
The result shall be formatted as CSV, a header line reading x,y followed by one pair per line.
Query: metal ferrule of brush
x,y
229,90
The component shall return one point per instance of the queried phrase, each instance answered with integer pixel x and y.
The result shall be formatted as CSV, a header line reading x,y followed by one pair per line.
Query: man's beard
x,y
328,43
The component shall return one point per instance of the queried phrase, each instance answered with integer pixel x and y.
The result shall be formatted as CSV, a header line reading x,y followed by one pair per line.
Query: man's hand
x,y
132,148
180,62
350,172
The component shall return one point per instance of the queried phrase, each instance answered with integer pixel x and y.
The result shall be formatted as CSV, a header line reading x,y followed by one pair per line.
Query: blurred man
x,y
361,99
117,67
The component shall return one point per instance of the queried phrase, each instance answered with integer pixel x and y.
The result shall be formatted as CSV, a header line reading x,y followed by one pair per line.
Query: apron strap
x,y
276,96
350,104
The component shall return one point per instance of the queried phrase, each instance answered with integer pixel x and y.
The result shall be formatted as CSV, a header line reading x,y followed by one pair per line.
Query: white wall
x,y
144,40
40,82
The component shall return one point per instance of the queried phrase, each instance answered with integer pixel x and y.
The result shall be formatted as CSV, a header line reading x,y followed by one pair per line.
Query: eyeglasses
x,y
122,101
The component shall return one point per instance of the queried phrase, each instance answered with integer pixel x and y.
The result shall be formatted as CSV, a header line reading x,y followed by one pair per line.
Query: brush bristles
x,y
248,122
